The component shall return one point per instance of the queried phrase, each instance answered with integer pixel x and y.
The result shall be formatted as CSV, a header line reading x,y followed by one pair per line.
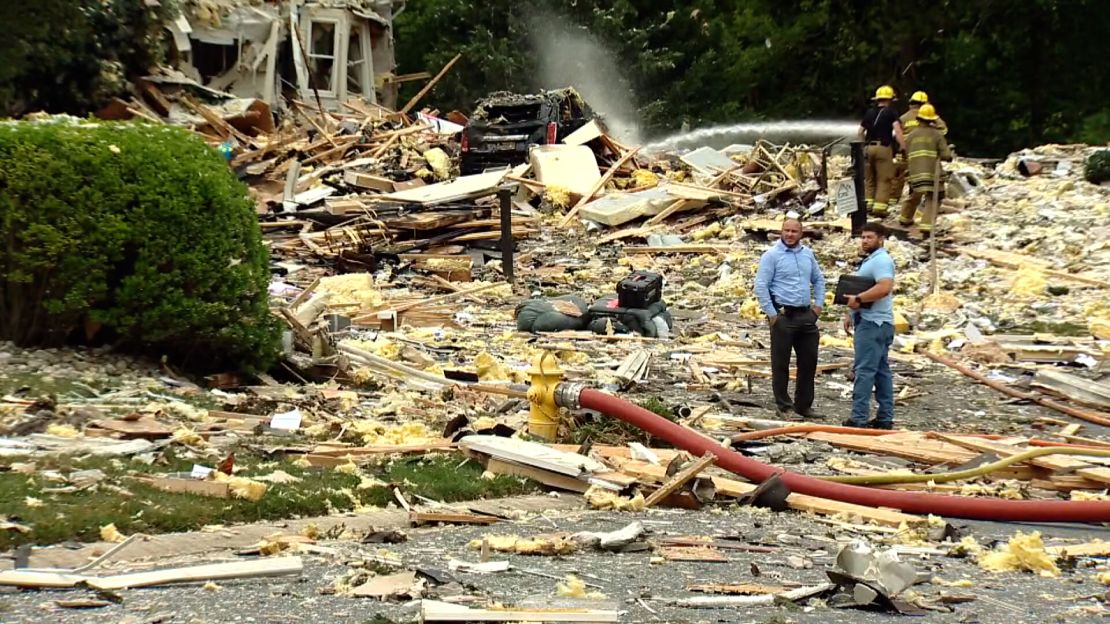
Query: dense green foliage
x,y
72,56
1097,168
1003,74
138,229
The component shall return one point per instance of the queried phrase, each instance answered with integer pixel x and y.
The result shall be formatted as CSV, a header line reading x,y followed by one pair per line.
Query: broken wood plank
x,y
677,205
1074,388
1064,463
199,487
431,84
447,297
600,184
1088,549
193,574
1014,261
800,502
916,448
692,553
435,611
418,518
743,588
1095,417
678,249
680,479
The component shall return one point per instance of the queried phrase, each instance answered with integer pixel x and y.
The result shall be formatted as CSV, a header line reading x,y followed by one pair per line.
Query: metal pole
x,y
506,197
934,212
859,217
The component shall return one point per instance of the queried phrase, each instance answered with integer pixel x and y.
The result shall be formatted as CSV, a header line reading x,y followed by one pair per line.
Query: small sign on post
x,y
845,194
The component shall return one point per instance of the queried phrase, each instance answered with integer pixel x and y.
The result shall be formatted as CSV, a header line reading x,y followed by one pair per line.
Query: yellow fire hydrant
x,y
543,414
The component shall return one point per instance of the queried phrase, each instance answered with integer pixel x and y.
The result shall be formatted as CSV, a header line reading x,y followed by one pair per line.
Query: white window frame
x,y
337,57
363,65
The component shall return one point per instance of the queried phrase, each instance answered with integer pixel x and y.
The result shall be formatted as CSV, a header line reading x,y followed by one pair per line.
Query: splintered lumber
x,y
680,479
913,446
704,554
448,296
1087,549
198,487
635,367
741,589
600,184
532,454
1064,463
676,206
193,574
417,518
677,249
1095,417
1074,388
1014,261
615,480
431,84
799,502
435,611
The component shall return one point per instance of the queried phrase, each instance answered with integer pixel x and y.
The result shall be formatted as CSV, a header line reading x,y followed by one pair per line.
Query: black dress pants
x,y
797,332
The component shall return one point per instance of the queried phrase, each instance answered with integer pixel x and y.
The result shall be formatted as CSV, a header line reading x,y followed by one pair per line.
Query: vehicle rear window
x,y
513,114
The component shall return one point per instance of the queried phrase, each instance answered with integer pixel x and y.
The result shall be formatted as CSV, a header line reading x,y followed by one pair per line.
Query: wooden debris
x,y
435,611
180,485
704,554
742,588
680,479
211,572
800,502
419,518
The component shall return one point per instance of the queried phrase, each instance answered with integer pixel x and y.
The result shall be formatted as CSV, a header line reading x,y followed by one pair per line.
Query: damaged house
x,y
310,50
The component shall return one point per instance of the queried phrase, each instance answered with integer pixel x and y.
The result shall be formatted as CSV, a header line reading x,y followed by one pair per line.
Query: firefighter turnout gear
x,y
925,147
918,102
881,131
877,177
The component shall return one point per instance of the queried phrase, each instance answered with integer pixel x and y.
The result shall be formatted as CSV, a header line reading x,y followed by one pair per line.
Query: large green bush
x,y
138,229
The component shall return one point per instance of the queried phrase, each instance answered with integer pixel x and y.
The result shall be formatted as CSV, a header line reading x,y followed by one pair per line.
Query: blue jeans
x,y
872,342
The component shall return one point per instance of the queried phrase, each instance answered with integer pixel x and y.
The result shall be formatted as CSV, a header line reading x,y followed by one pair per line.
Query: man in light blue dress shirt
x,y
791,292
873,333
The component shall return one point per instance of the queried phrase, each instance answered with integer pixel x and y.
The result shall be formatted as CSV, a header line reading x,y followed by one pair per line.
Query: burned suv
x,y
504,125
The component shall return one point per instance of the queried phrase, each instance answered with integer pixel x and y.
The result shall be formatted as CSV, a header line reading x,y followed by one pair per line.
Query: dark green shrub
x,y
140,229
1098,167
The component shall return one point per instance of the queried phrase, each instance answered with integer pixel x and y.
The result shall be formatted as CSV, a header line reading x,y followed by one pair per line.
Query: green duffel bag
x,y
539,315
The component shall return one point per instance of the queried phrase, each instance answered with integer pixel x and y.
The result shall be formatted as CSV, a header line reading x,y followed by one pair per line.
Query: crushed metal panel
x,y
180,29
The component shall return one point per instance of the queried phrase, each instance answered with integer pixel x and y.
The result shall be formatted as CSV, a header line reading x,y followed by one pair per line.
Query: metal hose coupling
x,y
569,394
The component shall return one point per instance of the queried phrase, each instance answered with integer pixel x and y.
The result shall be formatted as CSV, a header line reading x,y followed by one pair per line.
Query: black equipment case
x,y
640,290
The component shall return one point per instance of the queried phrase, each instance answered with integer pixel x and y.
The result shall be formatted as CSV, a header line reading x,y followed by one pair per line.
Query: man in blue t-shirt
x,y
874,332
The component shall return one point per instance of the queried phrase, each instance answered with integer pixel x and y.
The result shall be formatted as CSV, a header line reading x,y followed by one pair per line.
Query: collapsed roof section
x,y
329,50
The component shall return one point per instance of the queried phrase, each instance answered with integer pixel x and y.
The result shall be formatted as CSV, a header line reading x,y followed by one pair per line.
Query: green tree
x,y
72,56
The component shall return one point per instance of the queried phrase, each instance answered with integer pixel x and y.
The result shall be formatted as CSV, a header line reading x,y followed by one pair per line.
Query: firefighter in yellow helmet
x,y
881,130
909,122
924,146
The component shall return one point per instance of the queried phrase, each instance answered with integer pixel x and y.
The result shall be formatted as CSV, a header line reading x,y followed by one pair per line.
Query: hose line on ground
x,y
893,478
909,502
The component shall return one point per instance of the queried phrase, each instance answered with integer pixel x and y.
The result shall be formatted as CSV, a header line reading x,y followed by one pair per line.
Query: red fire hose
x,y
910,502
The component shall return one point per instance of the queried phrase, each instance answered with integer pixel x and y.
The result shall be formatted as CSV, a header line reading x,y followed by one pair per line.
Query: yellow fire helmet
x,y
927,112
919,97
885,92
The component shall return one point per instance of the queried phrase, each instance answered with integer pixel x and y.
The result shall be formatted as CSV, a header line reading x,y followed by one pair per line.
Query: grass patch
x,y
135,507
614,431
